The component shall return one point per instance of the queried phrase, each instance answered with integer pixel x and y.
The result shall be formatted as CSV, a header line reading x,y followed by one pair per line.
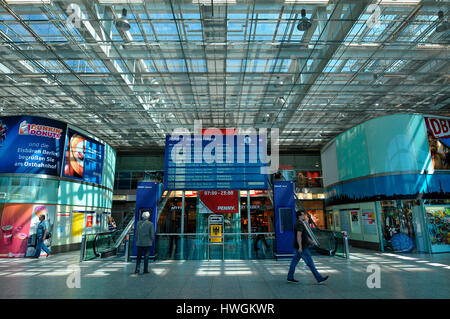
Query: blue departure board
x,y
204,162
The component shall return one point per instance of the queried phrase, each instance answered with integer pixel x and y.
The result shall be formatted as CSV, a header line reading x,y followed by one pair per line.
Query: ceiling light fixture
x,y
305,23
122,24
154,83
443,25
278,82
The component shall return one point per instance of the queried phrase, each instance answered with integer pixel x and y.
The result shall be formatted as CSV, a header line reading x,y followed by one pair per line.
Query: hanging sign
x,y
218,202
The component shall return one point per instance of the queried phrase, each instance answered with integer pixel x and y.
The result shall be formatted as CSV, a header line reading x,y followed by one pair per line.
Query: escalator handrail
x,y
127,229
124,233
161,202
332,251
94,244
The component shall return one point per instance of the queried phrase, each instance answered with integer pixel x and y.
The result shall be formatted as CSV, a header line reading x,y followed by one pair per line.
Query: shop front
x,y
248,231
399,176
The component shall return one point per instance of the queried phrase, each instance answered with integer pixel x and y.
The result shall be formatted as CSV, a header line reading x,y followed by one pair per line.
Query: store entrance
x,y
397,225
182,229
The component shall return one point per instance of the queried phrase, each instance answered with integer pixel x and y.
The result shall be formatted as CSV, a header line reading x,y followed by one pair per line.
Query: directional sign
x,y
215,233
215,163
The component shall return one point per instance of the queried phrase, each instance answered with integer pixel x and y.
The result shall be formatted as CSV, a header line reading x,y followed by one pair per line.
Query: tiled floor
x,y
401,276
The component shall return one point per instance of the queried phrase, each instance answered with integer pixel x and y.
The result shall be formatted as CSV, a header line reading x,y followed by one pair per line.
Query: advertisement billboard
x,y
438,220
83,158
218,202
31,145
18,226
438,130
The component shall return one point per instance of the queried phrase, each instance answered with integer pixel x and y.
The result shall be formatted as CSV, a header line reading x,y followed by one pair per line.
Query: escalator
x,y
327,241
116,243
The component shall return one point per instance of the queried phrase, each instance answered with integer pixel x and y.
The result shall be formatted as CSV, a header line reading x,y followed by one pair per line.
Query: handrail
x,y
161,203
124,233
331,251
94,244
206,234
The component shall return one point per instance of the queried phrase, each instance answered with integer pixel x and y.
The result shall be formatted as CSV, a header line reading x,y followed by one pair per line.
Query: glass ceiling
x,y
227,63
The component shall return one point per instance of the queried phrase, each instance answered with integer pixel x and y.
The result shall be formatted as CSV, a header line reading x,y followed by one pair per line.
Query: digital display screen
x,y
83,158
286,224
215,163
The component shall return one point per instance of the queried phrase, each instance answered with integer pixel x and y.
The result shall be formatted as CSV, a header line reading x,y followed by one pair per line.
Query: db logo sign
x,y
439,127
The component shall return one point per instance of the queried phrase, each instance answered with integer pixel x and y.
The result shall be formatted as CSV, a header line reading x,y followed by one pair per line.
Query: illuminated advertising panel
x,y
31,145
438,130
83,158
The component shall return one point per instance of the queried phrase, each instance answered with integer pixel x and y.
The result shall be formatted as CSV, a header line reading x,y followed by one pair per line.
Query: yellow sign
x,y
215,233
77,224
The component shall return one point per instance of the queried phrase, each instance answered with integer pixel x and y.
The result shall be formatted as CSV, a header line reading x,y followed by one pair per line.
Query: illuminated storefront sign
x,y
31,145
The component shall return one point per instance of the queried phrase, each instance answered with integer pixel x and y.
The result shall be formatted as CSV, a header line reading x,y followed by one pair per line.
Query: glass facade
x,y
182,231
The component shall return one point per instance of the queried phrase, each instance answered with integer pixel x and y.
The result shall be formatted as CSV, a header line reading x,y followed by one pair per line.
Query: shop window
x,y
438,221
169,221
316,212
190,214
397,218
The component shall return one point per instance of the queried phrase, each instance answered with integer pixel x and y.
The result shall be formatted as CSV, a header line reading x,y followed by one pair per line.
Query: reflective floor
x,y
62,276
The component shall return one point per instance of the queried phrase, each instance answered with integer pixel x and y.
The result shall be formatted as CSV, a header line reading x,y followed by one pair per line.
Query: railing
x,y
328,241
195,246
342,249
108,244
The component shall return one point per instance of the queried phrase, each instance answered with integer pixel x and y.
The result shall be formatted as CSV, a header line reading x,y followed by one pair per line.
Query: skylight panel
x,y
233,65
332,64
198,65
396,66
265,28
4,69
176,66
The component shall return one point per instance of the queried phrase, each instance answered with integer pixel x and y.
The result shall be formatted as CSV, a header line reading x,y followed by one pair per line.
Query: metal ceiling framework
x,y
228,63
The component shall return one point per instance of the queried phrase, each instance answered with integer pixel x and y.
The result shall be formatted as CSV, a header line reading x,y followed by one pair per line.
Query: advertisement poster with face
x,y
83,158
31,145
438,130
